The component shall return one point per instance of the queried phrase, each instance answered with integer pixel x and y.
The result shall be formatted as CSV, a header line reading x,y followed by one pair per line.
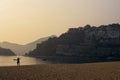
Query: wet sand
x,y
89,71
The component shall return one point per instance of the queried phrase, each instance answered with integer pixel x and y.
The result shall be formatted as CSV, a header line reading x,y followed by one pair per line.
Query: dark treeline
x,y
87,41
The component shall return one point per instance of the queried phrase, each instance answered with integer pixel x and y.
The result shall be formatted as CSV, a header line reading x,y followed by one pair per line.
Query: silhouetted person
x,y
18,61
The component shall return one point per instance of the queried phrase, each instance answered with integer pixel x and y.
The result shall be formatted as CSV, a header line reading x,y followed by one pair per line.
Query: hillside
x,y
6,52
22,49
89,41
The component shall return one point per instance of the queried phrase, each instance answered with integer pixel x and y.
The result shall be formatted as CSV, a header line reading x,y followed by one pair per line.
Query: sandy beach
x,y
89,71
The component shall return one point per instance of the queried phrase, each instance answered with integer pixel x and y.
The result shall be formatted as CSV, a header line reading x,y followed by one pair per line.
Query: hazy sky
x,y
23,21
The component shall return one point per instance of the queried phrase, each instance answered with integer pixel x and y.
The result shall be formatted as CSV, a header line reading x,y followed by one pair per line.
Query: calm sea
x,y
9,61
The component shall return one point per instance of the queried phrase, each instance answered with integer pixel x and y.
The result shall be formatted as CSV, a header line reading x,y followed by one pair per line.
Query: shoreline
x,y
61,64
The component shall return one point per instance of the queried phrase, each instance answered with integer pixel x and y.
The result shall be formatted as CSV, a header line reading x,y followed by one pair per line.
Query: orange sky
x,y
23,21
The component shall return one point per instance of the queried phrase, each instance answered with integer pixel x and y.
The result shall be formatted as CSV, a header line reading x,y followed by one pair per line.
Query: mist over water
x,y
9,61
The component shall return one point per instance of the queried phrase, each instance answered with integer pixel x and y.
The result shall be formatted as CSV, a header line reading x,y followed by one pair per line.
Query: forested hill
x,y
87,41
6,52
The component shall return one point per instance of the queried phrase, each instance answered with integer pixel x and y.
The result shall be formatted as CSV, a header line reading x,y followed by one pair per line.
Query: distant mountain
x,y
22,49
6,52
